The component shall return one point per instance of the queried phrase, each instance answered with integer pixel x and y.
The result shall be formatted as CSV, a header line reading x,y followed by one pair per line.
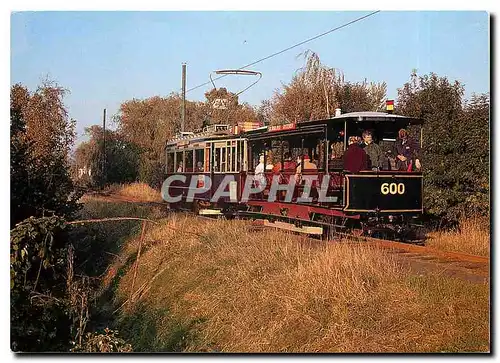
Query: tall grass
x,y
139,191
472,236
216,286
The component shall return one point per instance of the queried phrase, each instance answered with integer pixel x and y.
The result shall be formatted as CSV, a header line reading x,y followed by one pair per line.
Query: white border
x,y
9,6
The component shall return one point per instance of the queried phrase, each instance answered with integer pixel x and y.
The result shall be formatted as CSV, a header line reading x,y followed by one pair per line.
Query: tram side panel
x,y
218,188
383,193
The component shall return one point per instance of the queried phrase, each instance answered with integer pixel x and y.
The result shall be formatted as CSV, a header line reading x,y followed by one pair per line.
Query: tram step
x,y
209,212
293,228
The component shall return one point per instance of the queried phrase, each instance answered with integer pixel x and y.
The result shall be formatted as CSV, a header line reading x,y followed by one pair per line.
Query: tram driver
x,y
407,151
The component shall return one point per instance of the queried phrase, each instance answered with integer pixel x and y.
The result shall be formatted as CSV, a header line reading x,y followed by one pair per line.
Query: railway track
x,y
417,257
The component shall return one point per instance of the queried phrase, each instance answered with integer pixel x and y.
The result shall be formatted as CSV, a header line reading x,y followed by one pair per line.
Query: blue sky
x,y
105,58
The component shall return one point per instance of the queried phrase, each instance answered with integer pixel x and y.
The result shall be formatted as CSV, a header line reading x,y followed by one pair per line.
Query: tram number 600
x,y
392,188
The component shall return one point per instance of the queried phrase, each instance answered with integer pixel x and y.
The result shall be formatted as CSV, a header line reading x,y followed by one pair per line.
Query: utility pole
x,y
103,177
183,109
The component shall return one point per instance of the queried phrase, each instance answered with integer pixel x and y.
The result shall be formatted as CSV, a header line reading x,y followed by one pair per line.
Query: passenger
x,y
373,151
408,152
355,158
308,165
289,163
199,166
180,168
259,172
277,167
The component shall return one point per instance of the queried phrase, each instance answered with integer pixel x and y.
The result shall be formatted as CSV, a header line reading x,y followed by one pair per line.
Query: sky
x,y
106,58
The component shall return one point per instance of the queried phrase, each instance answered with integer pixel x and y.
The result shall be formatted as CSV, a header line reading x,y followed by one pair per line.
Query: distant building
x,y
84,172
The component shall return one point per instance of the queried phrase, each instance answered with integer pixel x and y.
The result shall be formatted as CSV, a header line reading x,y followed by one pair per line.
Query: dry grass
x,y
139,191
231,290
472,236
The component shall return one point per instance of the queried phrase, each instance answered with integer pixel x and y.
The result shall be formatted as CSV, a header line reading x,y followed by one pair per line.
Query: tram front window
x,y
170,162
188,167
179,162
199,156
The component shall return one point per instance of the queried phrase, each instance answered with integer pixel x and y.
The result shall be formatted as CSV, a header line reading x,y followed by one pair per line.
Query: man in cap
x,y
373,151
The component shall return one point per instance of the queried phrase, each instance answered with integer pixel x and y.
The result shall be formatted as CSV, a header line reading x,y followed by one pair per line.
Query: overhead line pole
x,y
183,109
104,149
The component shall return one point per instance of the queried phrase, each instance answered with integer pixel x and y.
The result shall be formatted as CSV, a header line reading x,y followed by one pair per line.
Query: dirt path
x,y
419,264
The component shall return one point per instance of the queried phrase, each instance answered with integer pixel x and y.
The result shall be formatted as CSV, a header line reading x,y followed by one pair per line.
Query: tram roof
x,y
369,116
304,126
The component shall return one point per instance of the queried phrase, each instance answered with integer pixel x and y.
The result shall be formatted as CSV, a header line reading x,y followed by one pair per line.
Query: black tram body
x,y
386,202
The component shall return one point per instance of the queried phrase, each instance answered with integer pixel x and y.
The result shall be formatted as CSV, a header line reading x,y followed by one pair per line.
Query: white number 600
x,y
392,188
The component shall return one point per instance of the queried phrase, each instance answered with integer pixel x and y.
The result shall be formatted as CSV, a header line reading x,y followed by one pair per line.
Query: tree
x,y
122,157
149,123
41,138
455,147
317,90
42,198
474,163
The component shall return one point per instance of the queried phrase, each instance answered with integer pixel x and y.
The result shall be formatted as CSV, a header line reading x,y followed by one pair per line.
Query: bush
x,y
455,145
109,342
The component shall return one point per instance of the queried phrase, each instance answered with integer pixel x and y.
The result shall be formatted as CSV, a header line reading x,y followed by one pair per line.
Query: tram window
x,y
228,159
199,160
233,159
336,150
188,161
217,154
223,160
321,154
179,162
242,156
170,162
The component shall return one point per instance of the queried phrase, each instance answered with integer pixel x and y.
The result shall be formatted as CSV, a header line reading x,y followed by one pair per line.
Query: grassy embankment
x,y
472,236
215,285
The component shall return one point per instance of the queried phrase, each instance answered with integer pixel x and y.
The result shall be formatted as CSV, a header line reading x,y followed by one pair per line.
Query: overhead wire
x,y
291,47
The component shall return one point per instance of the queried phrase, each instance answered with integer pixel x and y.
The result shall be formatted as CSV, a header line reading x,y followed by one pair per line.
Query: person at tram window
x,y
355,158
373,151
288,164
180,168
199,166
259,172
278,166
408,152
308,165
